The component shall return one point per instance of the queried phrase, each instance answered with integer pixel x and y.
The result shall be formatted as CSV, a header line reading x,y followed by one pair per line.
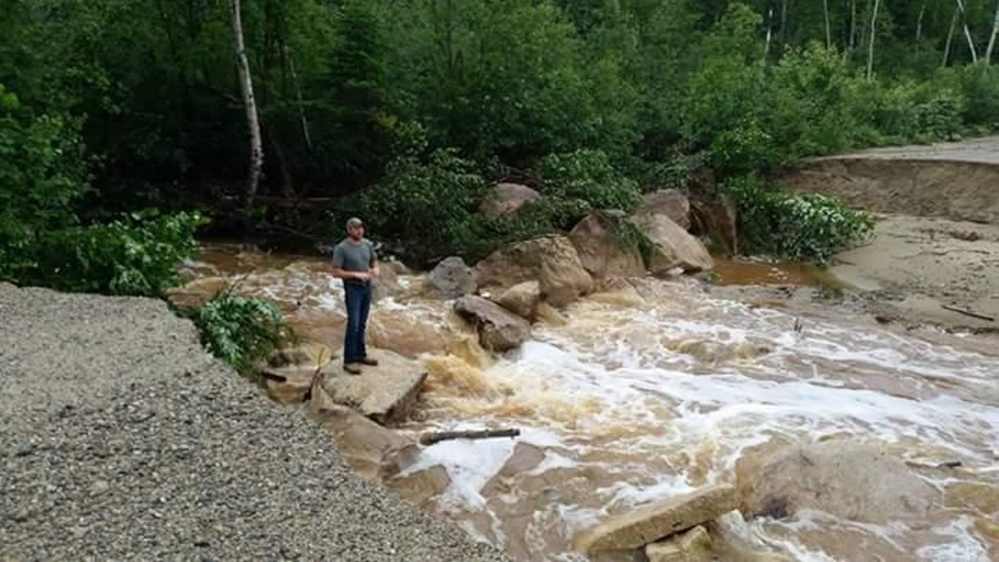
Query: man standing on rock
x,y
355,262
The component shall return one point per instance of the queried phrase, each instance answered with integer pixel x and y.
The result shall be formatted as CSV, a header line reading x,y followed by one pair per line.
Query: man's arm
x,y
373,264
344,274
341,273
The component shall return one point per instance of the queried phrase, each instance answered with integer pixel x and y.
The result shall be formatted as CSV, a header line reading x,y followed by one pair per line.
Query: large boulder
x,y
507,198
522,299
550,260
386,393
717,218
498,329
650,523
670,202
369,448
859,482
452,278
674,247
604,246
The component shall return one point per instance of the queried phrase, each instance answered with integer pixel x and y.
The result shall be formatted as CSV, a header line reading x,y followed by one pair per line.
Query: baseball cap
x,y
354,221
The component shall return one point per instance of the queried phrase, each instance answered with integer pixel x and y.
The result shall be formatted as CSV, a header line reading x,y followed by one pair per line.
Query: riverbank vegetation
x,y
406,110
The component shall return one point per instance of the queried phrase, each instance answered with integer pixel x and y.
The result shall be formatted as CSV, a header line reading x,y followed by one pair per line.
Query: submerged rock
x,y
692,546
386,285
855,481
650,523
499,329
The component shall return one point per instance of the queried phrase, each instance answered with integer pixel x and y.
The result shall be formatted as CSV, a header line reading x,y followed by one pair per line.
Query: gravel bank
x,y
120,438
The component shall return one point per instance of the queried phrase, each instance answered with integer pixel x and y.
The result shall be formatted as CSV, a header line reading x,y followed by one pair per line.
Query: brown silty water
x,y
658,389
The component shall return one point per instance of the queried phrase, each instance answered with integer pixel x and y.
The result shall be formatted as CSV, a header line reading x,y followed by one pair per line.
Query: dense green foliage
x,y
136,254
808,227
43,178
242,331
131,104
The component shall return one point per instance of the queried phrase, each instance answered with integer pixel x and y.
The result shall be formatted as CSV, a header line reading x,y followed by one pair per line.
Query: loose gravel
x,y
120,438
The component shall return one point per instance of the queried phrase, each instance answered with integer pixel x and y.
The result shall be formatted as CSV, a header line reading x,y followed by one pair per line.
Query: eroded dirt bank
x,y
956,181
934,255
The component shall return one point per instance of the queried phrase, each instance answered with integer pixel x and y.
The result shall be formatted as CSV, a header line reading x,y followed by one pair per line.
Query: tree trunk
x,y
783,23
967,32
950,36
287,182
852,41
870,41
992,38
919,21
825,10
298,96
246,87
770,34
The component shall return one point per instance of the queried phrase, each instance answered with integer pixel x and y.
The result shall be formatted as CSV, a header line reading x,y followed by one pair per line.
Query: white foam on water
x,y
964,548
472,463
648,392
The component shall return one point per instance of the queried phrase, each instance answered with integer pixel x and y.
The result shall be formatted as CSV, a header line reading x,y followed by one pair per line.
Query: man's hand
x,y
374,271
361,275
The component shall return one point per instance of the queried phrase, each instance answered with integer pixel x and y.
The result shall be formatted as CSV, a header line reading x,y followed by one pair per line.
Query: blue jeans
x,y
358,300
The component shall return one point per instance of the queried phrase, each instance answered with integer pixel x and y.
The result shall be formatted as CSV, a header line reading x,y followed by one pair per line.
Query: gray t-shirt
x,y
354,257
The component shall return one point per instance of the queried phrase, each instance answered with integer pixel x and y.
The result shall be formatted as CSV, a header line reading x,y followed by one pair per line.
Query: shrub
x,y
242,331
806,106
588,176
745,148
940,117
428,208
134,255
809,227
980,88
675,173
42,178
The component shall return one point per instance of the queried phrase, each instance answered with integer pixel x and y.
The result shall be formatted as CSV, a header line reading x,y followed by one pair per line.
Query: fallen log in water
x,y
970,313
431,438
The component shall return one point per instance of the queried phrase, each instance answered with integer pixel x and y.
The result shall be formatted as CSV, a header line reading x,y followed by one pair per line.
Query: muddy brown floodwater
x,y
660,389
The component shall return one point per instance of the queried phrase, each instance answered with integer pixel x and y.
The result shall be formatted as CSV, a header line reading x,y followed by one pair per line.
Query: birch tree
x,y
870,41
250,104
967,32
825,11
992,37
950,36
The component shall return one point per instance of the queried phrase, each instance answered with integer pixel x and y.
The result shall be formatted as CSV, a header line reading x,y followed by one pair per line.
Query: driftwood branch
x,y
431,438
968,313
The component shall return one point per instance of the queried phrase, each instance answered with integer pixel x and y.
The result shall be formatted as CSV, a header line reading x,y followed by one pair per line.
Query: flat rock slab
x,y
386,393
691,546
648,524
